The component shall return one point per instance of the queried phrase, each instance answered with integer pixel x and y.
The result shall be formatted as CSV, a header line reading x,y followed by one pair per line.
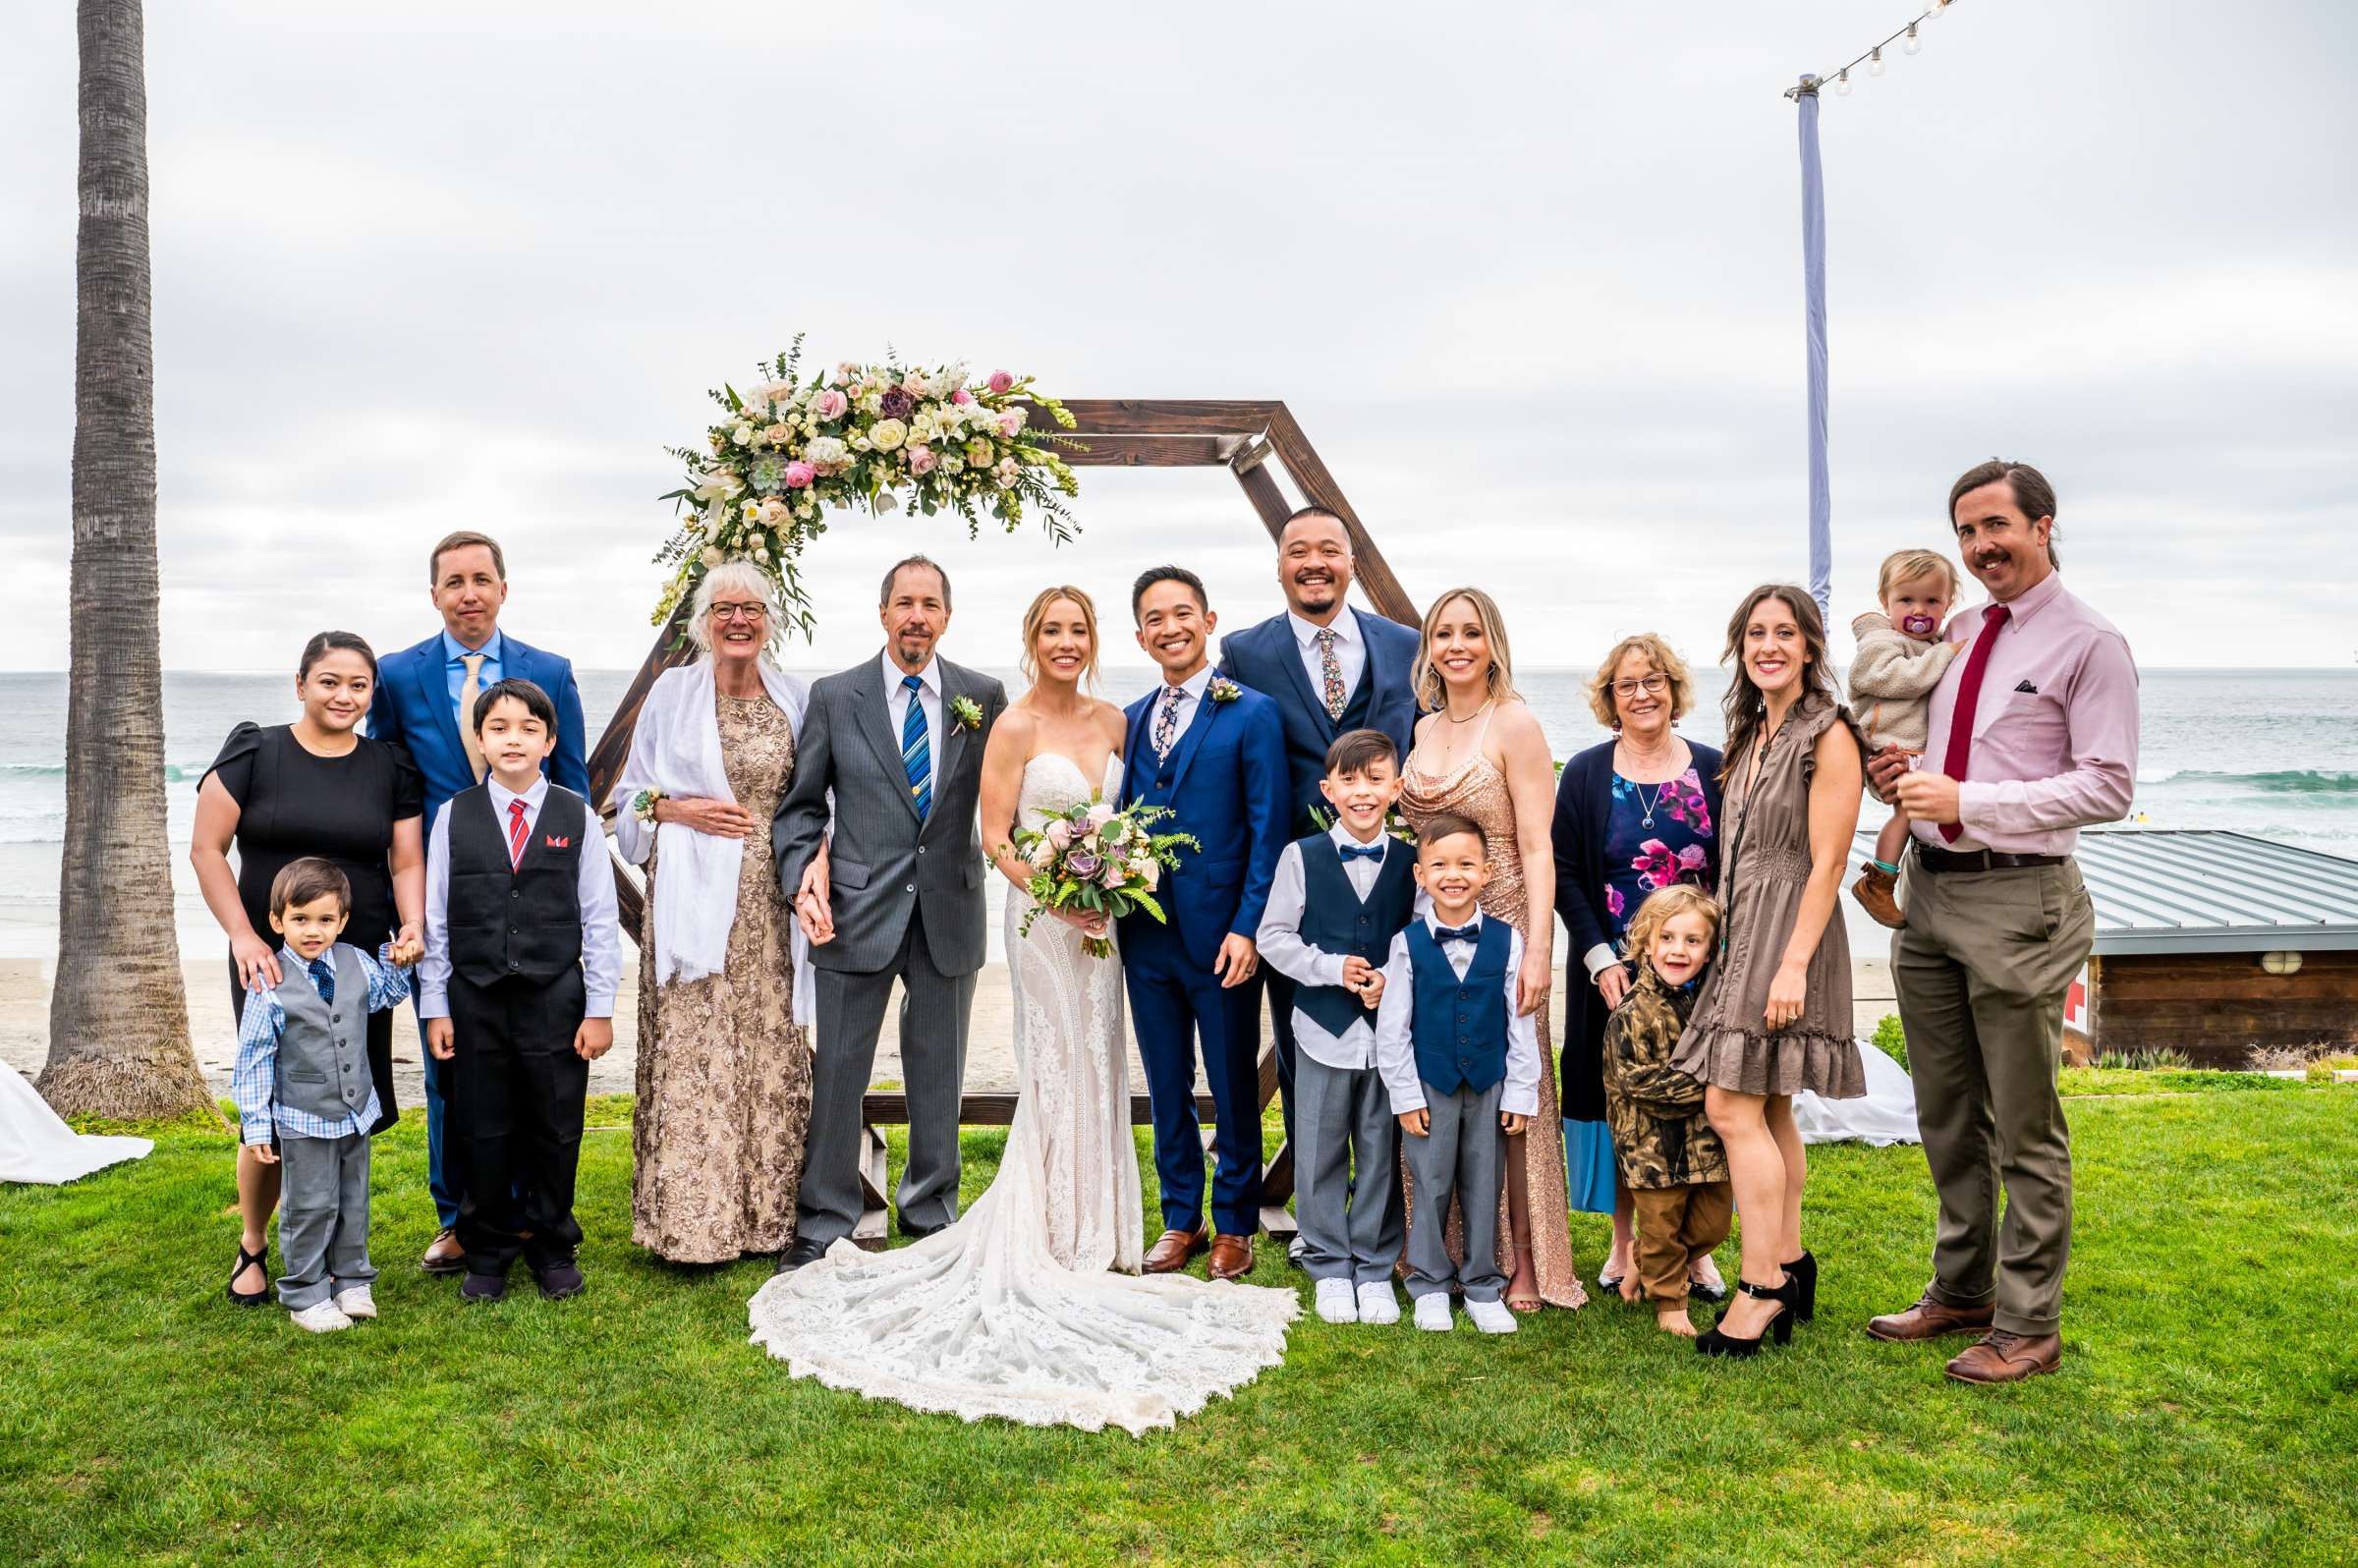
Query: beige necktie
x,y
468,693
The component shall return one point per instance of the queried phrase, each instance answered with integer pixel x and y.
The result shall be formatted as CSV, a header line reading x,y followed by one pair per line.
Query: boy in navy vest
x,y
305,1098
1462,1068
1337,903
523,953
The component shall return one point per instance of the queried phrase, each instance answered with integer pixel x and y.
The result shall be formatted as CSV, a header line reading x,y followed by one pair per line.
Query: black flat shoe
x,y
558,1281
801,1254
484,1287
1804,1269
1779,1329
246,1259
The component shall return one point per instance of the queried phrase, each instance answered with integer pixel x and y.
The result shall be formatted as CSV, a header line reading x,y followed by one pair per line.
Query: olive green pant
x,y
1981,971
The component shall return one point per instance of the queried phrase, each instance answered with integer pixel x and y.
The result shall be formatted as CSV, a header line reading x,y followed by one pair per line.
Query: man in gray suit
x,y
898,743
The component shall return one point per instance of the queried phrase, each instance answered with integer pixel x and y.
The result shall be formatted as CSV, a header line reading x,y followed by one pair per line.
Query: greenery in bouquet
x,y
788,448
1092,857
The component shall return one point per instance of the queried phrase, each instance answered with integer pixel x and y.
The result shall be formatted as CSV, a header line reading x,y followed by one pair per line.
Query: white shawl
x,y
676,748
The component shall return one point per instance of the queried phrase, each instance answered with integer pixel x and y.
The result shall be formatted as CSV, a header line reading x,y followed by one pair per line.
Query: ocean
x,y
2269,752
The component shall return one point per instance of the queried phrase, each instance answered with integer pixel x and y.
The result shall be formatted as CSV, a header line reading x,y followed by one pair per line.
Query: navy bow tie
x,y
1358,852
1471,932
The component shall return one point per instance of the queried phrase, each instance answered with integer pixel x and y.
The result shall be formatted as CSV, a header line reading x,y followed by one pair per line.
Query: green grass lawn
x,y
2207,1410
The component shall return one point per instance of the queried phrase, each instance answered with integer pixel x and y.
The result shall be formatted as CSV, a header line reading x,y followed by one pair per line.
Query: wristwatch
x,y
643,805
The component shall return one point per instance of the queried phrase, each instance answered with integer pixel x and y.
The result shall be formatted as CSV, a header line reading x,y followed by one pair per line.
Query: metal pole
x,y
1813,278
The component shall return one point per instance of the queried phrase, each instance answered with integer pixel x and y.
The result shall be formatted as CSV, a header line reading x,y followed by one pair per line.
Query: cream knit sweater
x,y
1891,682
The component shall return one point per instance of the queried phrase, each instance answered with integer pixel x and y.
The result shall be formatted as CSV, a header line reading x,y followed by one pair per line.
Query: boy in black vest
x,y
523,953
306,1098
1337,900
1462,1067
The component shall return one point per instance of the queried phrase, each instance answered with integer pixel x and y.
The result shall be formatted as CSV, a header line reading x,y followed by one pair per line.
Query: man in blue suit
x,y
425,702
1330,668
1212,752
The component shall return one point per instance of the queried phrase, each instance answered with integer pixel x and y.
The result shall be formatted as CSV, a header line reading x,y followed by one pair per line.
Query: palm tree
x,y
119,1016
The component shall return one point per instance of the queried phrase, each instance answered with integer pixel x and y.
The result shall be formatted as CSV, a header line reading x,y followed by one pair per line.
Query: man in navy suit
x,y
1330,668
1212,751
425,702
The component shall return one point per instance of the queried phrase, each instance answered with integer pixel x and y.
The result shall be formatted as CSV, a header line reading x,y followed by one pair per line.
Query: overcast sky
x,y
1528,275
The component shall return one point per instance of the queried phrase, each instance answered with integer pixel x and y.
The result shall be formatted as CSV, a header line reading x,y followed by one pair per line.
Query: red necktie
x,y
516,833
1969,696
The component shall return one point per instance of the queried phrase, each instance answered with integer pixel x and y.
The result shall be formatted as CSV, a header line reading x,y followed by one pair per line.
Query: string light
x,y
1907,38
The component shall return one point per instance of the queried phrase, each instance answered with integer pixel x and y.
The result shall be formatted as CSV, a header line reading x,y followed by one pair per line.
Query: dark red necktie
x,y
518,833
1969,696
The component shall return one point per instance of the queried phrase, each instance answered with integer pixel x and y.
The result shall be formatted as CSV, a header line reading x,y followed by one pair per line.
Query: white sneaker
x,y
1336,1303
323,1317
1377,1304
1491,1317
355,1302
1432,1311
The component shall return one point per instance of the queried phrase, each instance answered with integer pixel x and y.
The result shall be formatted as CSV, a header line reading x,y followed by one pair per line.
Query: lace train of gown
x,y
1017,1310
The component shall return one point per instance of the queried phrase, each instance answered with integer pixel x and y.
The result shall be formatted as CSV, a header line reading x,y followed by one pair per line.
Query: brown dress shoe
x,y
1877,893
1930,1319
1231,1256
1173,1249
444,1256
2003,1358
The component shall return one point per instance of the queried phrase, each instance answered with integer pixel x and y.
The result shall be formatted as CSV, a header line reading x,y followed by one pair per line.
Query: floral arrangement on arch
x,y
1093,857
786,449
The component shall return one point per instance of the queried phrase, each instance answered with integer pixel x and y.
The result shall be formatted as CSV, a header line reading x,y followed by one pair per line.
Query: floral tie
x,y
1167,721
1330,674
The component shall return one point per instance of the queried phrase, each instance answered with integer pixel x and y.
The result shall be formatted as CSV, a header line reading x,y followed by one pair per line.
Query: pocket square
x,y
2028,687
555,842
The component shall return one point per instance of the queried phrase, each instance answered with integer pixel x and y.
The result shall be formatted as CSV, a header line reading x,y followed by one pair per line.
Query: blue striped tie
x,y
916,753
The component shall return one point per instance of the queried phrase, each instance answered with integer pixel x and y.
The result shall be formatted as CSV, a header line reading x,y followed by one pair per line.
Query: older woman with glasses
x,y
724,1069
1636,813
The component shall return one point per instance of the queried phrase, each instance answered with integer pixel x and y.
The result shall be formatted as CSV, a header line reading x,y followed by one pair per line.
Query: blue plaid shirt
x,y
253,1082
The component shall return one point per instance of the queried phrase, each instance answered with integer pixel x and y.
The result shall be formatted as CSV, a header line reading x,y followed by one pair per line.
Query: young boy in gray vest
x,y
305,1098
522,954
1462,1068
1337,900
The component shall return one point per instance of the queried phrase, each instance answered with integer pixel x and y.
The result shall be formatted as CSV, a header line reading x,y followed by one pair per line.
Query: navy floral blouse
x,y
1654,835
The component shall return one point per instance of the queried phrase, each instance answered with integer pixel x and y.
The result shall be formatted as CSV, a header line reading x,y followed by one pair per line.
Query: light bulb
x,y
1934,11
1842,83
1911,44
1875,62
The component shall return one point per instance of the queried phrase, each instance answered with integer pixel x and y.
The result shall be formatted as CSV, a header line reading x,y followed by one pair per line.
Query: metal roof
x,y
2199,890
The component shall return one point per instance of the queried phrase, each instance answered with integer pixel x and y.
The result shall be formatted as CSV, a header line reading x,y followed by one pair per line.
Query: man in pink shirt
x,y
2033,736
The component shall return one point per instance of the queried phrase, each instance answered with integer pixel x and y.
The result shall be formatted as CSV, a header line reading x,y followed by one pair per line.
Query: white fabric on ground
x,y
1885,1114
36,1147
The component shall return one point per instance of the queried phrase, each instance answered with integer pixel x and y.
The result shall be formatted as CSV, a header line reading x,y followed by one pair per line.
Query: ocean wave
x,y
174,772
2285,781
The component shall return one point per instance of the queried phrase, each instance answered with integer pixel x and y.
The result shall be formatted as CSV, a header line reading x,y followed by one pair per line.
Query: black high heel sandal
x,y
260,1261
1805,1270
1778,1330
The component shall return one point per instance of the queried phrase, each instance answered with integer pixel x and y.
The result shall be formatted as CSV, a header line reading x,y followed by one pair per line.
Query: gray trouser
x,y
1350,1225
322,1218
1981,970
1459,1158
850,1012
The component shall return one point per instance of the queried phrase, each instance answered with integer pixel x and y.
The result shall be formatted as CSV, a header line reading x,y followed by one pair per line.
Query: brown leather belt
x,y
1949,862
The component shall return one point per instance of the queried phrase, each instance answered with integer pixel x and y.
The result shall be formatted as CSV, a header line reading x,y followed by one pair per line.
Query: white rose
x,y
743,435
762,556
887,434
754,539
711,556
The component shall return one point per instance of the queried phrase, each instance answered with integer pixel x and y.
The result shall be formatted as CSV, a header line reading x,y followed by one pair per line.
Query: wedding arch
x,y
1242,436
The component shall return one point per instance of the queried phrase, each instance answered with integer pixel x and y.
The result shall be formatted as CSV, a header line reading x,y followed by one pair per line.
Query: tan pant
x,y
1676,1225
1981,971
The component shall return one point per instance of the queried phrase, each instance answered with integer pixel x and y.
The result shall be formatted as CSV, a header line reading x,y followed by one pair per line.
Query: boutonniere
x,y
967,713
1224,690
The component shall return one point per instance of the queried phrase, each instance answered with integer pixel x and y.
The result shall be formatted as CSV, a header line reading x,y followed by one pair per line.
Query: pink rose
x,y
961,397
1100,813
829,403
922,460
1114,874
798,475
1011,424
1000,380
1060,833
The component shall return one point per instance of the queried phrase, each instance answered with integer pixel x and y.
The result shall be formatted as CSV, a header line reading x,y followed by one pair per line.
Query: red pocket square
x,y
554,842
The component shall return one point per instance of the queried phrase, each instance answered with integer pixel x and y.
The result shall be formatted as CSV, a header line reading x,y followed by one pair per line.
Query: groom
x,y
898,740
1212,751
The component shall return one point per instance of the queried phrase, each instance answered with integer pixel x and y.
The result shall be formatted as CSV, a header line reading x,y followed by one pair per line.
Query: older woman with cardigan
x,y
724,1063
1638,812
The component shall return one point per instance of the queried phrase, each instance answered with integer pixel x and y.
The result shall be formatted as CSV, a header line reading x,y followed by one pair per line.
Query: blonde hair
x,y
1906,566
1039,612
1657,653
743,577
1662,906
1427,679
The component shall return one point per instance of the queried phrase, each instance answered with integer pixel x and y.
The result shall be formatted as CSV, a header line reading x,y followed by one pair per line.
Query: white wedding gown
x,y
1031,1307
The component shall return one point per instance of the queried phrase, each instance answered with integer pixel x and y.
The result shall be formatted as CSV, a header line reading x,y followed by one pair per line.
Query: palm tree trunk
x,y
119,1015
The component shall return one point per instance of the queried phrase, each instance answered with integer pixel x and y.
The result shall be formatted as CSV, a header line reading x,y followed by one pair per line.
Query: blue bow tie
x,y
1469,932
1360,852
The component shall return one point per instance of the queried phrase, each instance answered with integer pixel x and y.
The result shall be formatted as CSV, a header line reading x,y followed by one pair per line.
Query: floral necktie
x,y
1167,721
1330,674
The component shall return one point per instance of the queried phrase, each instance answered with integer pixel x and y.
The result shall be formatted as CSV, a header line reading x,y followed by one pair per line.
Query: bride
x,y
1031,1307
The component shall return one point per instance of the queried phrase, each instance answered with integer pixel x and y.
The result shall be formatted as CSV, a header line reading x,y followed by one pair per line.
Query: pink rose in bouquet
x,y
922,460
1001,381
829,405
798,475
1096,858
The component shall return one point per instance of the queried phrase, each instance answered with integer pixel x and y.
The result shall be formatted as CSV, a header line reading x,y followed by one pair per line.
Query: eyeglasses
x,y
1651,685
740,612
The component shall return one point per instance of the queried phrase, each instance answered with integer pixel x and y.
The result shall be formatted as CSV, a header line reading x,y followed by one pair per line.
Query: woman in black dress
x,y
314,787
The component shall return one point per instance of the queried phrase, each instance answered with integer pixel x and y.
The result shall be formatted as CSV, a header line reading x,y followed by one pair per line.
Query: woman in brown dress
x,y
724,1070
1479,753
1774,1015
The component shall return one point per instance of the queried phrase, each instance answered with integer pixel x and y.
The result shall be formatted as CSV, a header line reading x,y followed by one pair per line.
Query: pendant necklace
x,y
1644,805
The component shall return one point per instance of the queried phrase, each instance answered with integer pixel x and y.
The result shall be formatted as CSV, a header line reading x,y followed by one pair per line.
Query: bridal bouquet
x,y
788,447
1092,857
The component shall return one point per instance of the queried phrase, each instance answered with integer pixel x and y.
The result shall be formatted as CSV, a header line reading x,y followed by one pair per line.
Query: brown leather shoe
x,y
1877,893
1173,1249
445,1256
1231,1256
2004,1358
1930,1319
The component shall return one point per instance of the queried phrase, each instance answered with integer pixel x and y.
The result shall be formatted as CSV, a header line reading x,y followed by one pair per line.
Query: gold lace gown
x,y
1475,789
724,1074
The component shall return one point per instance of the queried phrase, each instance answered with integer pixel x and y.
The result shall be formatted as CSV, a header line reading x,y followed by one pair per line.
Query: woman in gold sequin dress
x,y
1480,753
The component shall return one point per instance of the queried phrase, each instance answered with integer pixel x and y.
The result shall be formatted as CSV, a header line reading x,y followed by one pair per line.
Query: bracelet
x,y
643,805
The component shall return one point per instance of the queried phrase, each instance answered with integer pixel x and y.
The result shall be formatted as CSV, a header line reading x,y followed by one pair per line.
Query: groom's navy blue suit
x,y
1224,782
